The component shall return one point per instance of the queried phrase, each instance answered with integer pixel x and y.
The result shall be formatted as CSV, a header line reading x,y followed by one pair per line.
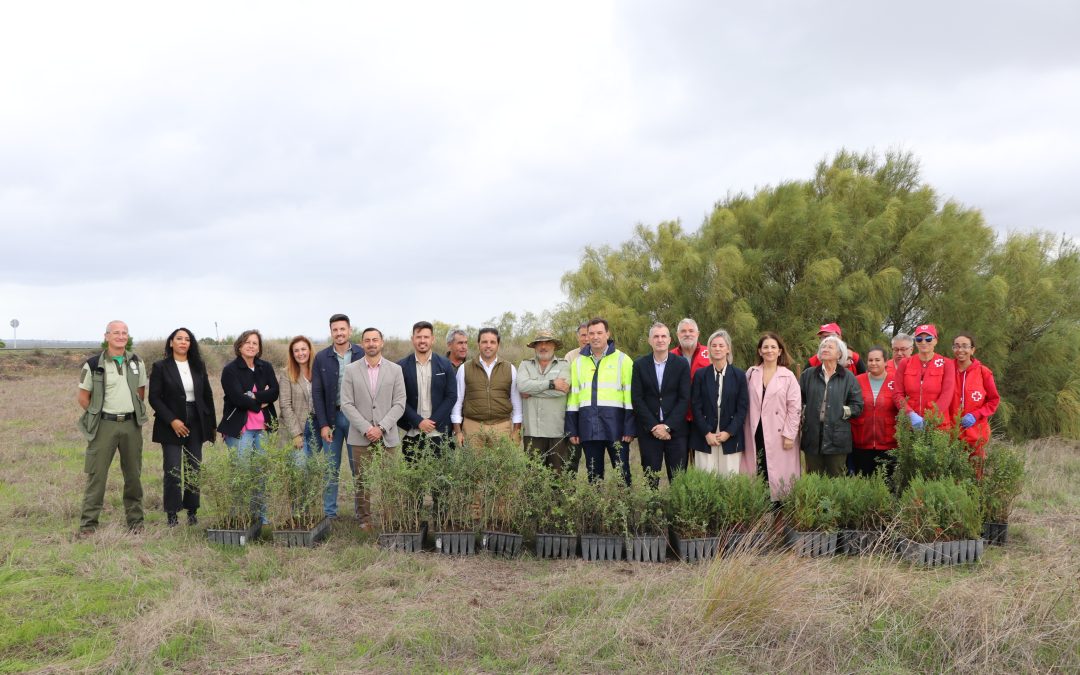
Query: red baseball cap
x,y
832,328
927,328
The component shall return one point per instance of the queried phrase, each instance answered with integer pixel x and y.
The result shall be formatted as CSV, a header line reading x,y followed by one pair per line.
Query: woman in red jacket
x,y
874,432
925,382
976,396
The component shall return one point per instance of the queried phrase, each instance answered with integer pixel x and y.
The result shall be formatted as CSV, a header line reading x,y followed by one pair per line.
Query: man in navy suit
x,y
327,373
660,391
430,392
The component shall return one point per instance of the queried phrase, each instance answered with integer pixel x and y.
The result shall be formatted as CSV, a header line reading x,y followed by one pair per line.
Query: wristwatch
x,y
551,384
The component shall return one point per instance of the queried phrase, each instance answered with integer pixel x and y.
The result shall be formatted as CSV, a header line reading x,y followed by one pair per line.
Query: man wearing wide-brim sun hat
x,y
925,381
544,382
854,364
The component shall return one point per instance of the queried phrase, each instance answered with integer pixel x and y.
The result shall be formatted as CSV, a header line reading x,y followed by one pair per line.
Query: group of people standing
x,y
687,403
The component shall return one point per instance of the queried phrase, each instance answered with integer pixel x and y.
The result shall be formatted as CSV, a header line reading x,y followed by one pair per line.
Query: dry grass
x,y
165,601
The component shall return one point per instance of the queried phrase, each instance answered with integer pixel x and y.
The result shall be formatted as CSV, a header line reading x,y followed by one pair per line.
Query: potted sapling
x,y
398,487
599,510
866,508
454,484
552,495
744,508
503,474
694,502
940,523
811,509
1001,483
646,521
230,486
294,493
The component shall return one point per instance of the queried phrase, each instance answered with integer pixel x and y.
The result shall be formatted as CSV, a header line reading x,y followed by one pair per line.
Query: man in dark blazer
x,y
327,371
660,391
427,416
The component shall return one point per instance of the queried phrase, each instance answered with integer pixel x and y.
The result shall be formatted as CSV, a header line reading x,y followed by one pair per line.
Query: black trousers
x,y
181,493
655,452
866,462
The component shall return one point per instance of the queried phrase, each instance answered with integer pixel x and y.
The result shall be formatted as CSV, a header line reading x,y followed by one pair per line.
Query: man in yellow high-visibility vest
x,y
599,413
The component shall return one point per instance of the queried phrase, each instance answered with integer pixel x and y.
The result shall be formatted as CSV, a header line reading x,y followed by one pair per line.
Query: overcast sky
x,y
268,164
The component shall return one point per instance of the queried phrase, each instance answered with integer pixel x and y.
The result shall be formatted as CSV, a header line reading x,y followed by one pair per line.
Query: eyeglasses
x,y
923,338
960,346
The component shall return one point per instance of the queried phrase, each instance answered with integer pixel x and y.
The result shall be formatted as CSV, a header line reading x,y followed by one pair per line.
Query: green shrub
x,y
551,495
454,484
600,507
932,510
695,503
812,505
397,487
864,503
745,501
929,453
503,476
645,509
231,486
294,484
1002,481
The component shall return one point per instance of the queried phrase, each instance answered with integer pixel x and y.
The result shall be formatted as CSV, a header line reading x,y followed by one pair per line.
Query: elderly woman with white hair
x,y
831,397
719,400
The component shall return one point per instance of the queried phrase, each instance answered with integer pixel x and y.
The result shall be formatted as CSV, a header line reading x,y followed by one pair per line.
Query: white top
x,y
515,395
185,376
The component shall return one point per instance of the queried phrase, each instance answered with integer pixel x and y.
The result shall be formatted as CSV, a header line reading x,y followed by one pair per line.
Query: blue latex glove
x,y
967,420
916,419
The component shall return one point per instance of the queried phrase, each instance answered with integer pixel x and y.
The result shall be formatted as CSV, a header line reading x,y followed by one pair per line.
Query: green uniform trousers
x,y
111,436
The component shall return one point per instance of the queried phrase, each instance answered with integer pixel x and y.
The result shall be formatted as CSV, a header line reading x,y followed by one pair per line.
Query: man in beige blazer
x,y
373,400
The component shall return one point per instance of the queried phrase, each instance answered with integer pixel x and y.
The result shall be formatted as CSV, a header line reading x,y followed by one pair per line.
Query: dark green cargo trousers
x,y
112,436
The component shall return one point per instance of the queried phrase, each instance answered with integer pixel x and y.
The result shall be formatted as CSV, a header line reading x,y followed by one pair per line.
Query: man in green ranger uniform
x,y
112,389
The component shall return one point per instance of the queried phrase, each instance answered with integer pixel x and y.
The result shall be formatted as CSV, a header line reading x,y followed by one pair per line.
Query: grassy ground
x,y
164,600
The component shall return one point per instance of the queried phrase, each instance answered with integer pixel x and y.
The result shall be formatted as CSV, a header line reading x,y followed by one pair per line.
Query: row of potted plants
x,y
275,482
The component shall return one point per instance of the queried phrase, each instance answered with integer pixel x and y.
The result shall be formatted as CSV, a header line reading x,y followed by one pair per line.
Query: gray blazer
x,y
384,411
295,403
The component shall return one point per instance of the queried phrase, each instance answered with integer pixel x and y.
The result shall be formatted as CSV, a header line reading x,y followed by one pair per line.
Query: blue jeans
x,y
341,432
250,442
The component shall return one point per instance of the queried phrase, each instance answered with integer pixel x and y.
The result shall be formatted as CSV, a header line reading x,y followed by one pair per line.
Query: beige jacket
x,y
295,402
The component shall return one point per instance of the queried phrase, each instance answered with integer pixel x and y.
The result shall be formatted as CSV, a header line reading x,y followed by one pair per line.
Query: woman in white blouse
x,y
184,419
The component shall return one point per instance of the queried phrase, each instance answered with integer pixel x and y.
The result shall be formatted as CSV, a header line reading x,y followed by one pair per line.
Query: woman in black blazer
x,y
717,438
250,388
184,419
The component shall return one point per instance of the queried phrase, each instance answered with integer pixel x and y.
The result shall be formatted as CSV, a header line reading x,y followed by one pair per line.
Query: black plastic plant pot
x,y
405,542
743,542
695,549
812,544
941,553
996,534
649,548
236,537
455,543
563,546
860,542
303,538
602,547
501,543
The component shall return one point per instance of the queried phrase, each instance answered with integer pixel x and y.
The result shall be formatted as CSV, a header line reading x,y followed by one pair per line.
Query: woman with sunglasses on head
x,y
925,381
184,419
976,396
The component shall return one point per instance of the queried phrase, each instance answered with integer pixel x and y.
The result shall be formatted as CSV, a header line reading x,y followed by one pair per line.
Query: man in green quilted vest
x,y
112,389
488,401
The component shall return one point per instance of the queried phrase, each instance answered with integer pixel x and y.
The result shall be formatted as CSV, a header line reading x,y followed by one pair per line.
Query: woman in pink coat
x,y
772,422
